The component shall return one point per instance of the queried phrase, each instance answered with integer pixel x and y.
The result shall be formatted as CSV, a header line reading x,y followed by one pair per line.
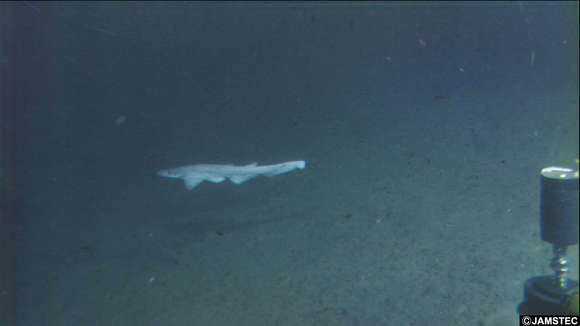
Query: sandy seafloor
x,y
419,203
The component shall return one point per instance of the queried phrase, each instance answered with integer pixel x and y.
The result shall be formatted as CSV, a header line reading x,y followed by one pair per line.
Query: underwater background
x,y
423,126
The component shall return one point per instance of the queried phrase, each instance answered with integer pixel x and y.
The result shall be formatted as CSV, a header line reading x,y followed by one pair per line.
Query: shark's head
x,y
169,173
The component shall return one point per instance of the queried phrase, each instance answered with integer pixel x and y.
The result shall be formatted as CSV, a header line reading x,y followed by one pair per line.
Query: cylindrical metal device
x,y
559,206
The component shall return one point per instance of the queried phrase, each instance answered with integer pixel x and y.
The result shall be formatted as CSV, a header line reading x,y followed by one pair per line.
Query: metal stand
x,y
555,294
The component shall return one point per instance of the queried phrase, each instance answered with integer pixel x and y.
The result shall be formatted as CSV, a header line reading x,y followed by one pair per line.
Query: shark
x,y
195,174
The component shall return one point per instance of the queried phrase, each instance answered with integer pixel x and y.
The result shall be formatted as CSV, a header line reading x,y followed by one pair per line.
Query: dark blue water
x,y
423,128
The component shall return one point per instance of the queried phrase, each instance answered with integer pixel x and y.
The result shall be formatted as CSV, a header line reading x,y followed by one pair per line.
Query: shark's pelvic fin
x,y
192,182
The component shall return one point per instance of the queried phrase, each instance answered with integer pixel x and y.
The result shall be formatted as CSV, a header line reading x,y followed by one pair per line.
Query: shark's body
x,y
193,175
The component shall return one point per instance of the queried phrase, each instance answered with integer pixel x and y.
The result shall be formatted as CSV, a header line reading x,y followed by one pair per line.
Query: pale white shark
x,y
193,175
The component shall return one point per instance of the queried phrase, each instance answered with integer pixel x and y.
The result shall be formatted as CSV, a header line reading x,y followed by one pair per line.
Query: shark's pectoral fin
x,y
192,182
237,179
